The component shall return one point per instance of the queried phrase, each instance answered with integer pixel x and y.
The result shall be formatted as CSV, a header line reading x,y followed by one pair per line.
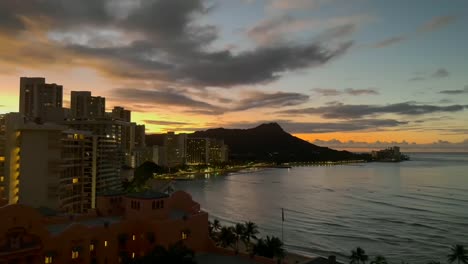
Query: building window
x,y
133,237
75,254
75,180
48,260
91,247
184,235
133,255
2,178
105,243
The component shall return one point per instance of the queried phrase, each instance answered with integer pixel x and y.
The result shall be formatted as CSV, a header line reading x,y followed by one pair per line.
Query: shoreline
x,y
192,175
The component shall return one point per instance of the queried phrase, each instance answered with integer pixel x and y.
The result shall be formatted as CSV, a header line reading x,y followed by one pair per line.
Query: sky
x,y
340,73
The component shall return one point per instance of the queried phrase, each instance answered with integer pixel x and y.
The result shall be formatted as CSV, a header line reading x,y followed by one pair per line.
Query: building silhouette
x,y
85,106
37,97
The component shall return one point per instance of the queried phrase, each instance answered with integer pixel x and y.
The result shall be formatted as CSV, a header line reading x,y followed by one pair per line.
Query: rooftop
x,y
97,221
149,194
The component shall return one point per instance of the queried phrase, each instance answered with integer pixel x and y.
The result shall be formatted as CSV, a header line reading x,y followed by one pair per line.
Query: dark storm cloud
x,y
454,92
157,40
348,91
342,111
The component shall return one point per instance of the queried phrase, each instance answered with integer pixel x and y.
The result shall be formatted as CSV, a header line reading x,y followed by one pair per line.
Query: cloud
x,y
324,127
390,41
186,99
166,123
282,28
342,111
162,40
415,79
327,92
431,25
164,97
454,92
258,99
437,23
440,73
440,145
370,91
272,30
348,91
437,74
297,4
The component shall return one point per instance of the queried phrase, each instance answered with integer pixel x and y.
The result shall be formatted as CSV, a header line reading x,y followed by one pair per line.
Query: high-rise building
x,y
175,148
217,151
84,106
140,136
50,165
2,159
197,151
37,97
46,166
106,165
121,113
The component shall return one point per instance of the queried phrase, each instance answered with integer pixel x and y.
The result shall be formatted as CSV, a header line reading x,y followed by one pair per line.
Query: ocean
x,y
412,211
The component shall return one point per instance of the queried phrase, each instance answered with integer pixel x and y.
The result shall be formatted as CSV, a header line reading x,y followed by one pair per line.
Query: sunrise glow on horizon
x,y
383,71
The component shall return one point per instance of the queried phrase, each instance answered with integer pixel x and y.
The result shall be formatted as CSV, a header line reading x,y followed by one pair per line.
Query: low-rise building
x,y
125,226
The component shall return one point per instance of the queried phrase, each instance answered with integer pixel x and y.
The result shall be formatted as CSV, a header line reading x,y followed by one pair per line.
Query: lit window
x,y
184,235
91,247
75,254
75,180
133,255
133,237
48,260
105,243
2,178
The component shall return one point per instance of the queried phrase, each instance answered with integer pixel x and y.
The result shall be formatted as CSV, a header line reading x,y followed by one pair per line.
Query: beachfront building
x,y
217,151
197,151
388,154
175,149
124,227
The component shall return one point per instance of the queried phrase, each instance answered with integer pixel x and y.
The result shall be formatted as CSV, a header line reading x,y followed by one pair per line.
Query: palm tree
x,y
270,247
216,225
239,231
459,253
250,231
176,253
379,259
226,237
358,256
353,259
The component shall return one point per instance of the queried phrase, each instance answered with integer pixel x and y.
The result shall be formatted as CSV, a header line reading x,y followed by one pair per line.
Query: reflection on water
x,y
413,209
